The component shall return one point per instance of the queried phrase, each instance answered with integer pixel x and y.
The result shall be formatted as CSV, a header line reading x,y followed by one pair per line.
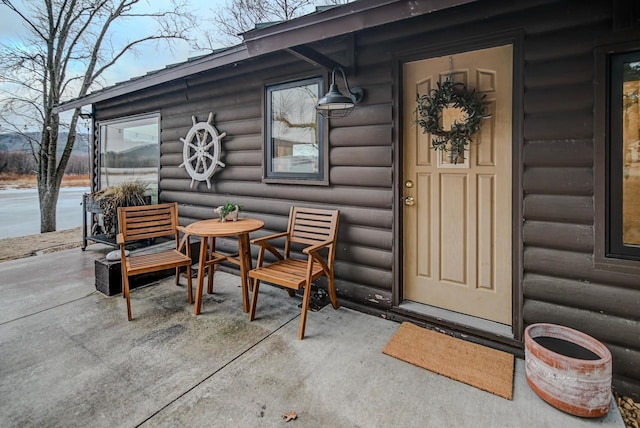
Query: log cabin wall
x,y
559,38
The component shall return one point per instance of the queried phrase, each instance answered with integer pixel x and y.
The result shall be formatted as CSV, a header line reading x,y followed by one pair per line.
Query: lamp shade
x,y
334,100
334,104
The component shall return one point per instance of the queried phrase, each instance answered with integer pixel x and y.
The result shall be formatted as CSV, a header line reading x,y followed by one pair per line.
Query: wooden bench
x,y
146,222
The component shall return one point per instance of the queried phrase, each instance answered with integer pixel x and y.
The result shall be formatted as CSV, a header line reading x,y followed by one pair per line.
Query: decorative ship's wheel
x,y
196,156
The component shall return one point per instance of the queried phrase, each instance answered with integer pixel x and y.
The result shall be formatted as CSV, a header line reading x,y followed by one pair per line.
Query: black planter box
x,y
109,273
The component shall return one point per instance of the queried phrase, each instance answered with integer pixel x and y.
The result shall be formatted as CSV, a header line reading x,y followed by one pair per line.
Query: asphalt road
x,y
20,211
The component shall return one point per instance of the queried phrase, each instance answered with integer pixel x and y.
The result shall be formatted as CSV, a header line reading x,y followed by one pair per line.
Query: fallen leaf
x,y
289,416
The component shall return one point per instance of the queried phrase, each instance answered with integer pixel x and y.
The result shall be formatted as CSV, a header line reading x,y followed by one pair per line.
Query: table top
x,y
214,227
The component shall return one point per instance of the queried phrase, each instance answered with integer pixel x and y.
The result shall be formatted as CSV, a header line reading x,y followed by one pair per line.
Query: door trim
x,y
463,45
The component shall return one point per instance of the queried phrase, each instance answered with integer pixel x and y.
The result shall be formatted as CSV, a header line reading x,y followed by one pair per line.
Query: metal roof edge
x,y
174,72
340,20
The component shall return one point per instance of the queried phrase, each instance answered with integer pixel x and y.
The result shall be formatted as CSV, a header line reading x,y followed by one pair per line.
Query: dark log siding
x,y
559,39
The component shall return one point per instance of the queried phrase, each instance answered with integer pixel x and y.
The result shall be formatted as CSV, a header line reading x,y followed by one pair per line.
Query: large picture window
x,y
130,150
623,219
294,147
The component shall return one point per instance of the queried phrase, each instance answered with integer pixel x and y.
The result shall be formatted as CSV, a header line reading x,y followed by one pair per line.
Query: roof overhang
x,y
338,21
322,25
233,55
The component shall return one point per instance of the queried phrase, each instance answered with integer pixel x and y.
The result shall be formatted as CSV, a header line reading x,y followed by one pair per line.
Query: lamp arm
x,y
356,94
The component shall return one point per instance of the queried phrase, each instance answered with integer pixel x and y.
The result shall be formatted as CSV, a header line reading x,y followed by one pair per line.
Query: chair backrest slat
x,y
311,226
149,221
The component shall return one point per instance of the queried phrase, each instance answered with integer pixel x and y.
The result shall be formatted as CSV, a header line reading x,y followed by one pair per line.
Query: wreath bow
x,y
445,95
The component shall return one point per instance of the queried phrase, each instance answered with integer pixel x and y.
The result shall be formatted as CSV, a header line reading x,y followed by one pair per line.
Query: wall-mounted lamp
x,y
85,116
334,104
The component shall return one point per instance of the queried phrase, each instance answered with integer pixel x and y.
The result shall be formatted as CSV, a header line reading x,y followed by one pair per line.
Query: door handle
x,y
409,201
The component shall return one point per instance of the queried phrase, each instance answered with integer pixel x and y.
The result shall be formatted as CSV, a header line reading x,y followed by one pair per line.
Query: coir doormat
x,y
473,364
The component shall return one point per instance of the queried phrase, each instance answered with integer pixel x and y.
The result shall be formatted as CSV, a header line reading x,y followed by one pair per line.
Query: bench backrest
x,y
148,221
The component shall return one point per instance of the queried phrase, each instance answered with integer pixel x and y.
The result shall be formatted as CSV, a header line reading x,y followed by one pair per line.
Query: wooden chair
x,y
318,229
145,222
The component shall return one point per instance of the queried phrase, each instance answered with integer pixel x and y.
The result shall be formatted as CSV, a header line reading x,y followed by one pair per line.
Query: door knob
x,y
409,200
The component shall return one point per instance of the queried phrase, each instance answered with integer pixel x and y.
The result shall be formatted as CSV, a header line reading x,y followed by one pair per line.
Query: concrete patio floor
x,y
70,358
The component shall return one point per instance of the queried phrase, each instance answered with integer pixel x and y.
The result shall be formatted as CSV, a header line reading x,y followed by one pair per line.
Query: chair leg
x,y
189,291
303,314
127,294
254,299
212,268
332,293
178,276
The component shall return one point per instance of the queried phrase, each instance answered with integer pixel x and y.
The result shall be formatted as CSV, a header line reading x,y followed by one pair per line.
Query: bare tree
x,y
239,16
69,46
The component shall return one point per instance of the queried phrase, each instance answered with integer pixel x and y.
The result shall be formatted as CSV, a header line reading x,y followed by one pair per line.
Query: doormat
x,y
476,365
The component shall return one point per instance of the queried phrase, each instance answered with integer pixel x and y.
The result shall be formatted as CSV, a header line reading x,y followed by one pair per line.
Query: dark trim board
x,y
461,332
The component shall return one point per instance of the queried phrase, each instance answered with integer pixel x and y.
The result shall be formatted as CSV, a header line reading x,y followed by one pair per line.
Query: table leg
x,y
202,262
243,253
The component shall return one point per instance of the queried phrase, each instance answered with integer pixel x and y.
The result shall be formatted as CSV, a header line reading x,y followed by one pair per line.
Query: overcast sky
x,y
151,57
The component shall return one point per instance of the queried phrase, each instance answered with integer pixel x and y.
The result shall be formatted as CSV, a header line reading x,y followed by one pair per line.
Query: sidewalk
x,y
69,357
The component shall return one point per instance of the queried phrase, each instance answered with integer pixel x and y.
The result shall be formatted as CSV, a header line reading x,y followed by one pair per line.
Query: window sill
x,y
617,265
298,181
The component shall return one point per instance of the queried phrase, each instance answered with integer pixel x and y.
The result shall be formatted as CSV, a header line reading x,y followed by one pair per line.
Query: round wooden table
x,y
214,228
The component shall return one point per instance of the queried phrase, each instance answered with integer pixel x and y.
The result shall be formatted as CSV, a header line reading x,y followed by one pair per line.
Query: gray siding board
x,y
553,126
568,70
356,292
574,265
364,136
361,156
559,181
559,208
367,115
552,45
367,237
626,366
362,176
610,329
559,153
365,256
597,297
365,275
559,236
559,99
237,173
339,196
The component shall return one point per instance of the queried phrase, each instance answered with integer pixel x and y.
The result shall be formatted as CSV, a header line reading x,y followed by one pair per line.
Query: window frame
x,y
616,247
603,258
268,175
123,119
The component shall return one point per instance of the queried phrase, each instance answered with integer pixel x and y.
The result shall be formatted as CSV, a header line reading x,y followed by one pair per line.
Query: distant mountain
x,y
14,142
146,156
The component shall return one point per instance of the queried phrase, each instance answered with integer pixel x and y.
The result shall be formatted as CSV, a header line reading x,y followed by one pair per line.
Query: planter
x,y
228,212
568,369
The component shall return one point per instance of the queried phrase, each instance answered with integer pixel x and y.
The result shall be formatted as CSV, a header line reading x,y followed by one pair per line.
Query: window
x,y
130,150
294,148
623,160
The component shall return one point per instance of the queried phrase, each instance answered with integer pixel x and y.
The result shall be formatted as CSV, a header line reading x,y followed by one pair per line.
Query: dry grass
x,y
42,243
24,181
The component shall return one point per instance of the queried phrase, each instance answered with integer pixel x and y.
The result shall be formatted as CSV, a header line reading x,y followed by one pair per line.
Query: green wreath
x,y
451,94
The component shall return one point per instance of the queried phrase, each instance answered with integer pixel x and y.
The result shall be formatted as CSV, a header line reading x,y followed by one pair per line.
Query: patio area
x,y
69,357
